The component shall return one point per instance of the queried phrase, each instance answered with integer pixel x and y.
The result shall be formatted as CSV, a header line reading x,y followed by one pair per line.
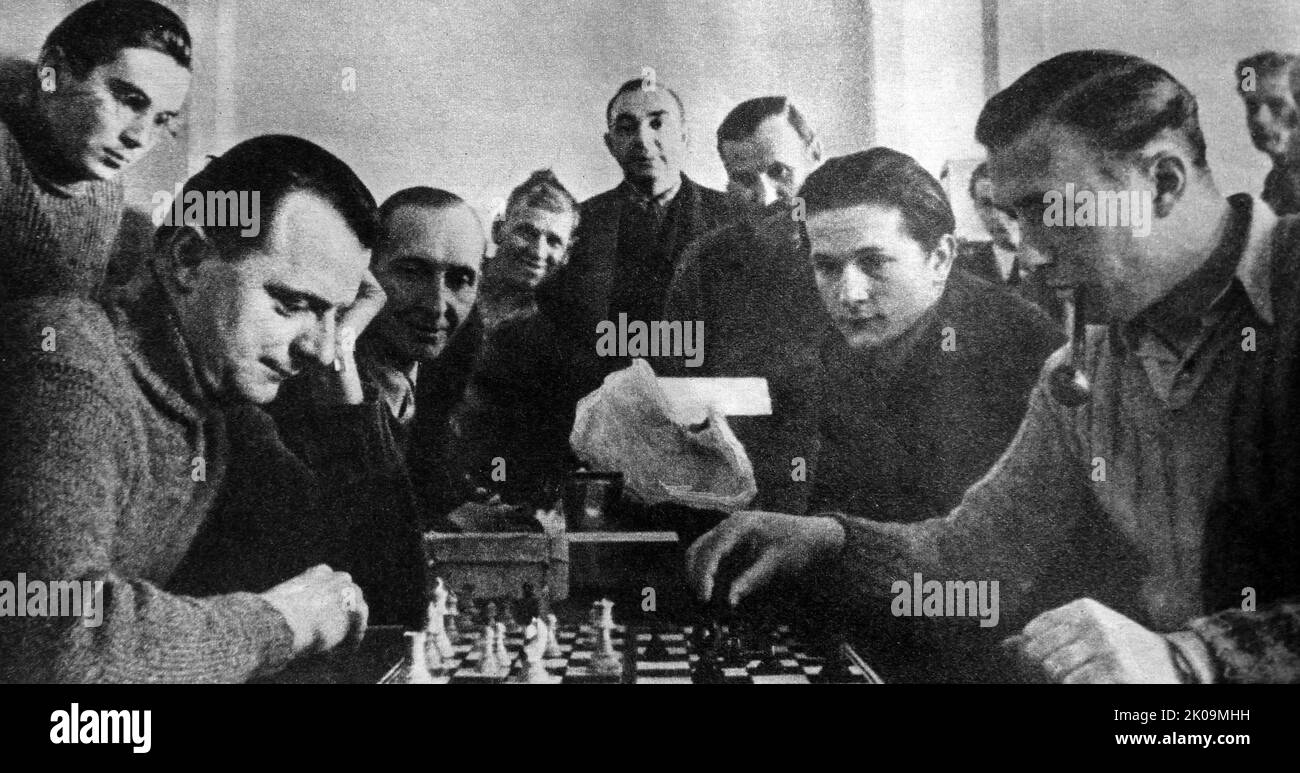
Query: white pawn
x,y
552,638
419,670
487,661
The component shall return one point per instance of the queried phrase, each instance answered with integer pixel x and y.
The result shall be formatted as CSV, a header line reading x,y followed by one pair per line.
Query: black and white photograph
x,y
824,342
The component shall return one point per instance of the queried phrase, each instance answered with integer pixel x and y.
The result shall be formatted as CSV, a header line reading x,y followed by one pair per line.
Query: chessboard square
x,y
780,679
675,650
662,665
656,679
734,672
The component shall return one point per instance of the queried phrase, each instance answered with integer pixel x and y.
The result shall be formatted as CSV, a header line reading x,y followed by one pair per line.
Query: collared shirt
x,y
1149,450
391,385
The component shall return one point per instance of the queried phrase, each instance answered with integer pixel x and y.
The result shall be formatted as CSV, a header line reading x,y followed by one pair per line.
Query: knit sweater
x,y
54,239
112,460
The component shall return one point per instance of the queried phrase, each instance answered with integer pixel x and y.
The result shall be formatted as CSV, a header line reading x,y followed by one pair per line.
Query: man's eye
x,y
827,266
656,123
290,307
459,280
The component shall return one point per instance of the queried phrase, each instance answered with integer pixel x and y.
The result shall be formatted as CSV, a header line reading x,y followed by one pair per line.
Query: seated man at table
x,y
108,85
117,425
1185,457
928,369
427,257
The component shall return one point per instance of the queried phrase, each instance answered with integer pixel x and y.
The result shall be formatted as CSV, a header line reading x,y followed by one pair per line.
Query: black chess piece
x,y
733,653
836,664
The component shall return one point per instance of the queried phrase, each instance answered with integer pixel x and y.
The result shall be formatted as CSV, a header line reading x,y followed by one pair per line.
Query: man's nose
x,y
319,341
768,191
855,286
646,135
136,133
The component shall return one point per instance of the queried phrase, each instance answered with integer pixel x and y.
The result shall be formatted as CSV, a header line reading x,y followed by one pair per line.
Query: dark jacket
x,y
978,258
902,441
757,298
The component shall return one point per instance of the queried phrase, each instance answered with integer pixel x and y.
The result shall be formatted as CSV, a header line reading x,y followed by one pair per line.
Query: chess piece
x,y
436,621
502,651
836,663
487,654
418,673
471,606
552,637
453,613
531,668
604,659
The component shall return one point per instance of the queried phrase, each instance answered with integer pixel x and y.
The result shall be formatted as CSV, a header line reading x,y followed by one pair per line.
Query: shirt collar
x,y
660,202
1246,239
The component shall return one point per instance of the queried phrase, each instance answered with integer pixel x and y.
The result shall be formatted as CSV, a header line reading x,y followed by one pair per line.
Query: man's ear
x,y
180,255
52,69
814,151
497,225
942,257
1169,173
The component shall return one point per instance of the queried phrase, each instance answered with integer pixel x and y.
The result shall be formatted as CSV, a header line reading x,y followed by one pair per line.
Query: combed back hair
x,y
1117,100
543,190
980,172
93,34
885,178
1265,64
637,84
743,120
276,165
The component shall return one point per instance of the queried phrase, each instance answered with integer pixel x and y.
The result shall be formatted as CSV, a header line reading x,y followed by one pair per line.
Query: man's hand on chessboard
x,y
750,549
323,609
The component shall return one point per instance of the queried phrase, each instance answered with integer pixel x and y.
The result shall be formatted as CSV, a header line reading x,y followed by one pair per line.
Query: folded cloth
x,y
624,426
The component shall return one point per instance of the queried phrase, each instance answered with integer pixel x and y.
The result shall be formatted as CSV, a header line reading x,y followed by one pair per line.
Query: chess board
x,y
663,656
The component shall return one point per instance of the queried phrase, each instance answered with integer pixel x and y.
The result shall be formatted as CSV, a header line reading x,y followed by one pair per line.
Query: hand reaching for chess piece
x,y
772,545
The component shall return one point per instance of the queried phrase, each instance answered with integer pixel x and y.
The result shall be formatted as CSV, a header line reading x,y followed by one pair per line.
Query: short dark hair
x,y
543,190
743,120
1117,100
637,84
418,196
980,172
276,165
886,178
93,34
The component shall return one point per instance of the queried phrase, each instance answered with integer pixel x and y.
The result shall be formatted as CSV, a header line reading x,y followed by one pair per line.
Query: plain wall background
x,y
471,95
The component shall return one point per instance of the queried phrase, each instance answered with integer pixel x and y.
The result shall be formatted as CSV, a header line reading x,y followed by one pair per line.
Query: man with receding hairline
x,y
751,284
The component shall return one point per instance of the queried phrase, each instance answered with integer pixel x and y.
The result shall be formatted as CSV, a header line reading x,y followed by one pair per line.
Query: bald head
x,y
428,261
